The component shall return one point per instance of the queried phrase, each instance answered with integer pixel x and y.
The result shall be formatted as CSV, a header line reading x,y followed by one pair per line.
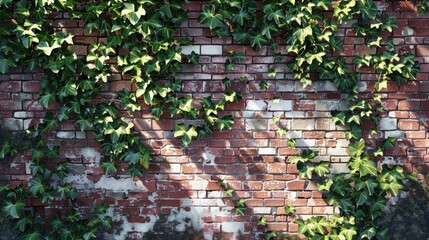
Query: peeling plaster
x,y
119,185
208,157
124,184
91,154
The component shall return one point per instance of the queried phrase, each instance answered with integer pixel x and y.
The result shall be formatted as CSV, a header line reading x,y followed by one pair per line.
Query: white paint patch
x,y
79,181
390,161
91,154
208,157
151,197
135,227
13,166
119,185
108,183
233,227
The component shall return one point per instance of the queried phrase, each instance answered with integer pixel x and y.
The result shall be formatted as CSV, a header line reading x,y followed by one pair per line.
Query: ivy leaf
x,y
363,166
276,16
321,168
227,82
186,105
289,210
270,234
348,233
37,186
356,149
4,65
13,209
262,221
302,33
89,235
210,17
378,152
306,155
32,236
229,66
354,119
185,134
281,132
132,157
228,192
108,167
225,122
389,142
263,85
46,48
368,185
291,143
46,99
135,170
324,185
83,123
257,41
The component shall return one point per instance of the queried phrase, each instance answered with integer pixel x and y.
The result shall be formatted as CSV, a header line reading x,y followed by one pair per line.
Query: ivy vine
x,y
311,39
140,44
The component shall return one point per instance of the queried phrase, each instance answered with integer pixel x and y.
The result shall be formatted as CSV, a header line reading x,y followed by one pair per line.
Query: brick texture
x,y
253,161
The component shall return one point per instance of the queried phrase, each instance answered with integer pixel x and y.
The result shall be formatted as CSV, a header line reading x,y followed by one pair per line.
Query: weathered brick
x,y
211,49
282,105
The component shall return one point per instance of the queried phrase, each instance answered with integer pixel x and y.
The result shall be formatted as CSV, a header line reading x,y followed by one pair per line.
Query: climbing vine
x,y
138,42
311,39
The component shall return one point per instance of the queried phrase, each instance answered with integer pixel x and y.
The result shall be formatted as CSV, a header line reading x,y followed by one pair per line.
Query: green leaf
x,y
225,122
210,17
46,99
46,48
270,235
109,167
186,105
89,235
4,65
13,209
321,168
37,186
262,221
324,185
289,210
133,157
368,185
302,33
257,41
348,233
32,236
291,143
263,85
229,66
228,192
357,148
281,132
185,134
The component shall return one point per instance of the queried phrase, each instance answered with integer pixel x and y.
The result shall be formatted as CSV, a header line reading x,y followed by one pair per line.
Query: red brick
x,y
421,143
408,124
276,168
408,105
296,185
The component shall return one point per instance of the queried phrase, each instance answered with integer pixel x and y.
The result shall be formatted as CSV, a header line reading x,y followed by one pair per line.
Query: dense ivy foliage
x,y
311,38
139,43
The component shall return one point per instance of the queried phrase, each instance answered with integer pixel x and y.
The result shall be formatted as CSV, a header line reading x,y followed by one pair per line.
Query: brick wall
x,y
182,182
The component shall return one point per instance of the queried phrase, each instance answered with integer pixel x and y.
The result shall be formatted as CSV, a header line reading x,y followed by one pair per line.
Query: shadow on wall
x,y
407,215
7,228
